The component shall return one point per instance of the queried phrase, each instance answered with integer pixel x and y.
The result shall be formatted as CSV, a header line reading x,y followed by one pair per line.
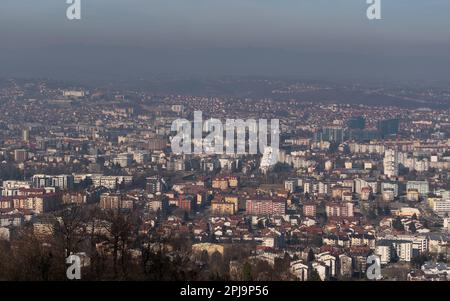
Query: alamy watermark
x,y
241,136
73,11
374,10
374,269
73,272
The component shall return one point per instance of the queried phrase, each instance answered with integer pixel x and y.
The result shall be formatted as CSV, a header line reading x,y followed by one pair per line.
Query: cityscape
x,y
89,172
238,148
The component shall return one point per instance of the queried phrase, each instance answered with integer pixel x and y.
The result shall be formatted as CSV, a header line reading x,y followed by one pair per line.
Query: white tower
x,y
390,163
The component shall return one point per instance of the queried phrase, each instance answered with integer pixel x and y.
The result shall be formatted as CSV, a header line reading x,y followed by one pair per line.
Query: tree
x,y
216,266
412,228
247,272
85,184
263,271
204,257
372,214
387,211
119,226
32,260
185,216
311,256
261,224
71,228
314,276
419,260
442,258
397,224
10,171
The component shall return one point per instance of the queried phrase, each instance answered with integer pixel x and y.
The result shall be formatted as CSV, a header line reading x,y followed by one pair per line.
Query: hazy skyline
x,y
139,38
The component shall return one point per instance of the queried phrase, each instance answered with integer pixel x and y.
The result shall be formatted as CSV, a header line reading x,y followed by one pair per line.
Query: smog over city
x,y
225,149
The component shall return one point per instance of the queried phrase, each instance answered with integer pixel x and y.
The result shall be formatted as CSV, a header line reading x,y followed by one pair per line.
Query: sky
x,y
127,39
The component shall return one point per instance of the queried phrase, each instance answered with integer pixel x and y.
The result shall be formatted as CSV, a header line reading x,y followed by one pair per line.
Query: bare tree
x,y
71,228
120,228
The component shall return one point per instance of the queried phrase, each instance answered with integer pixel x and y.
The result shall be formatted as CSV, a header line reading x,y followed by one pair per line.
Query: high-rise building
x,y
403,248
141,157
441,207
223,208
390,186
157,143
156,184
20,155
388,127
355,123
446,227
60,181
390,163
266,206
185,203
115,201
339,209
291,185
74,93
332,134
309,209
124,159
26,135
421,186
362,134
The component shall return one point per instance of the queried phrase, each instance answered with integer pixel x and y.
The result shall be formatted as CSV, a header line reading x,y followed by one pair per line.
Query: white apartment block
x,y
421,186
390,163
441,207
